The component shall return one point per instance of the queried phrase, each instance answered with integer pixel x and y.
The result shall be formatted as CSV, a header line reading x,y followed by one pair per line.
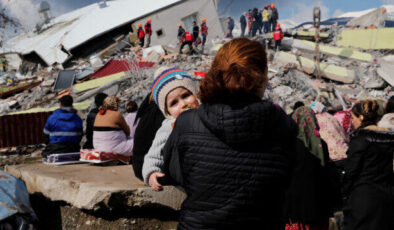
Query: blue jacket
x,y
64,126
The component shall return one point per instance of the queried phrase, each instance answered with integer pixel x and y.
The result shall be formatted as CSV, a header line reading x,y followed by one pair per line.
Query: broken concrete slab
x,y
308,46
158,49
369,39
386,69
97,82
92,187
373,18
78,106
153,56
332,72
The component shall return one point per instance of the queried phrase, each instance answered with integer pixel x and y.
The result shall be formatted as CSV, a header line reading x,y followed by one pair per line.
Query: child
x,y
173,91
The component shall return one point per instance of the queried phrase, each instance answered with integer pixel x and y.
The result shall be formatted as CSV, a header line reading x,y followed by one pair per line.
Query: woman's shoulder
x,y
373,134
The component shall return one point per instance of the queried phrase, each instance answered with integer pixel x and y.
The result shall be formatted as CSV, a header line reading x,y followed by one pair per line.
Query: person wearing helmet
x,y
148,32
265,18
181,32
204,33
274,16
187,39
278,36
141,35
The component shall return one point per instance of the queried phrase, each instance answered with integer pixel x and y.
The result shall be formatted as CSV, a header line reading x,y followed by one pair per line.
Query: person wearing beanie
x,y
174,91
63,129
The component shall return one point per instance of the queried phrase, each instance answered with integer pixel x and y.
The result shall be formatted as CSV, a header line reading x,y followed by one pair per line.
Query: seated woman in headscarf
x,y
111,132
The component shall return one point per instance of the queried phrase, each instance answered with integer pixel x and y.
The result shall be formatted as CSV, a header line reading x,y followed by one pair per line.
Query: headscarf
x,y
110,103
308,132
334,135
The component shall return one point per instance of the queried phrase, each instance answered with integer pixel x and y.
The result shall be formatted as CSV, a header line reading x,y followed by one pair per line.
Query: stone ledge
x,y
93,187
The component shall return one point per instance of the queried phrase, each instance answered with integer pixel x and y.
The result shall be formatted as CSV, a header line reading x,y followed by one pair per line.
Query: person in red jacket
x,y
204,32
148,32
187,39
278,36
141,35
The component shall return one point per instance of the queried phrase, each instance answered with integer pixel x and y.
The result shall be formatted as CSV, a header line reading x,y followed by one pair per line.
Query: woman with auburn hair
x,y
368,172
231,155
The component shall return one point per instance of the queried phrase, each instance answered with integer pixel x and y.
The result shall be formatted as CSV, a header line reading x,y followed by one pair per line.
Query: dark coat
x,y
196,31
150,118
242,21
230,24
233,162
368,180
90,118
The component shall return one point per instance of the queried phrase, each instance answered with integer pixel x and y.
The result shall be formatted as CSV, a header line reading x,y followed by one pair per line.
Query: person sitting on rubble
x,y
232,155
187,39
111,132
387,120
141,35
278,36
368,176
98,101
131,109
63,129
181,31
174,91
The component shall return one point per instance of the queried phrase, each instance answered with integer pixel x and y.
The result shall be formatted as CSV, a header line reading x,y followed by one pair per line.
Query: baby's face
x,y
180,99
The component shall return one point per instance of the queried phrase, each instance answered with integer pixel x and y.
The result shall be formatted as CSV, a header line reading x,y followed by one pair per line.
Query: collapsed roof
x,y
73,29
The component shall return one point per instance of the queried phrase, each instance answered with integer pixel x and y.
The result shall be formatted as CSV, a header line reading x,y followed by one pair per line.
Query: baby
x,y
174,91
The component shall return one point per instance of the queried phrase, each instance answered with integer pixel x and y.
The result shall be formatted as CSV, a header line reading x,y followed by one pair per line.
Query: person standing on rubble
x,y
265,19
148,32
204,33
368,177
255,21
63,129
181,32
249,22
232,154
274,16
270,29
278,36
230,26
141,35
196,31
187,39
242,22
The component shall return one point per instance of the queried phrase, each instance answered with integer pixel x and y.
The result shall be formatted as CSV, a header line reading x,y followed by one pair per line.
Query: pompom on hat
x,y
165,80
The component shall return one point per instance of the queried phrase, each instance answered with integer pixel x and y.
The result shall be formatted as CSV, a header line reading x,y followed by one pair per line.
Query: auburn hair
x,y
238,71
369,110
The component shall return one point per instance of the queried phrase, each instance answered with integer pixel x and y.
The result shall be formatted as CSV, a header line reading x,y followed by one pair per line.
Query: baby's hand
x,y
153,183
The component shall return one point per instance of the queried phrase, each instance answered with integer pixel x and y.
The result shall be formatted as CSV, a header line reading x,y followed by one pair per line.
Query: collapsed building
x,y
356,62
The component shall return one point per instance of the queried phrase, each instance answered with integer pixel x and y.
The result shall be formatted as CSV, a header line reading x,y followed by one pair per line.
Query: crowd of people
x,y
263,21
242,161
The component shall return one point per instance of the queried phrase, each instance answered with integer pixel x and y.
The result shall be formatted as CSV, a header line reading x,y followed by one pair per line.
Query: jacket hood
x,y
244,124
374,133
65,113
387,121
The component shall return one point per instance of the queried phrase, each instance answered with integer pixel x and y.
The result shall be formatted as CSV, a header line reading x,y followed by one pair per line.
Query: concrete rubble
x,y
354,64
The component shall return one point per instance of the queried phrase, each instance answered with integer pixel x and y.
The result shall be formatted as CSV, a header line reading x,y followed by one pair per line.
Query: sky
x,y
296,10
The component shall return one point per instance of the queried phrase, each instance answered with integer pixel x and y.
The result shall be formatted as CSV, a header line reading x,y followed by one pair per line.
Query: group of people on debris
x,y
242,161
193,39
145,34
264,21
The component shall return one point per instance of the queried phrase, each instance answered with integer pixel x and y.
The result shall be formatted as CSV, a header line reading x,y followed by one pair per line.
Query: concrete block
x,y
332,72
373,18
92,187
386,69
369,39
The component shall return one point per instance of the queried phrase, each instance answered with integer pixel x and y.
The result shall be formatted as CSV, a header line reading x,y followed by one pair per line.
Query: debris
x,y
91,84
64,80
386,69
153,57
377,39
374,18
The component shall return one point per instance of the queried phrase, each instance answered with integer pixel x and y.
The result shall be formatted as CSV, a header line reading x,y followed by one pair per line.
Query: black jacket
x,y
242,21
90,118
150,118
368,180
233,162
196,31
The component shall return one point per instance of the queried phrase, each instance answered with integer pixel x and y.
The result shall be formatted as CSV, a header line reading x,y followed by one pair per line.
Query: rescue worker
x,y
249,22
187,39
148,32
141,35
278,36
265,18
204,32
274,16
242,21
196,31
181,31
